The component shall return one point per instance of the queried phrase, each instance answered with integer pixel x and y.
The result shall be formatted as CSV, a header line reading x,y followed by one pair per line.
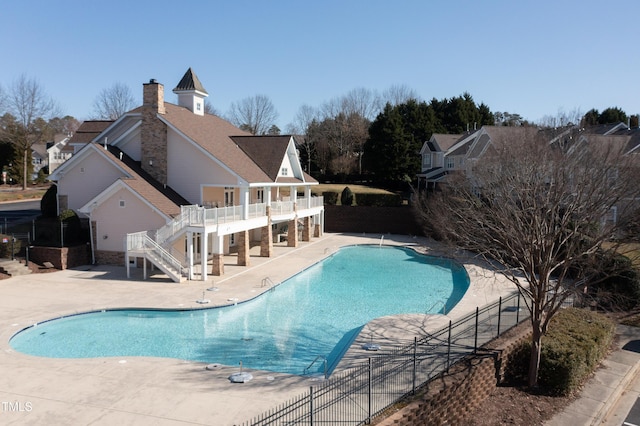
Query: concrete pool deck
x,y
160,391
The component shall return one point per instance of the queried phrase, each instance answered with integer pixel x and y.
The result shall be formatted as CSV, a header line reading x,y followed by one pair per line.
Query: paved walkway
x,y
159,391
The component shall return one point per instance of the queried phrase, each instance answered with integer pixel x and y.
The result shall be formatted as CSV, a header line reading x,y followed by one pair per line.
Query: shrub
x,y
49,202
346,198
71,221
5,248
330,198
618,284
576,341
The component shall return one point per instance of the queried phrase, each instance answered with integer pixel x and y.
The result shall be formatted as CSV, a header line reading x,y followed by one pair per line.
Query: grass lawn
x,y
16,194
339,187
632,251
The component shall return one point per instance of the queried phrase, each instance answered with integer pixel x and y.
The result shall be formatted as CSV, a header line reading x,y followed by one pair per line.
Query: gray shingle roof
x,y
190,82
88,130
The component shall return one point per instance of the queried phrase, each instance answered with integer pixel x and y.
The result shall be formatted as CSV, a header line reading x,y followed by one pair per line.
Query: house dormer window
x,y
198,106
284,171
426,161
451,163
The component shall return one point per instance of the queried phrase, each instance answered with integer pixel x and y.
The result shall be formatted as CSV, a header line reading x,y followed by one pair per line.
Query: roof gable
x,y
213,135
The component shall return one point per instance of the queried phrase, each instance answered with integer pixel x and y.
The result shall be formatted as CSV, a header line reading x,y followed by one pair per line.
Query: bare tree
x,y
541,212
398,94
302,123
3,100
113,102
255,114
562,119
30,106
210,109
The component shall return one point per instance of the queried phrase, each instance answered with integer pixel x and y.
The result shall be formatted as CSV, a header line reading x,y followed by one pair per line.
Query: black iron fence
x,y
356,395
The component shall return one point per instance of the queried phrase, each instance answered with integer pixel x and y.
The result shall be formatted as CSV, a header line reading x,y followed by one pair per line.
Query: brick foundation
x,y
104,257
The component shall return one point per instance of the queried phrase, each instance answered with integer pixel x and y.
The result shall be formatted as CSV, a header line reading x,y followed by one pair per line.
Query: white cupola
x,y
191,93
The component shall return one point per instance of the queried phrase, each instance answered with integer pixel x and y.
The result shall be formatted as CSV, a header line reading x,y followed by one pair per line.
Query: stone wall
x,y
61,257
450,398
381,220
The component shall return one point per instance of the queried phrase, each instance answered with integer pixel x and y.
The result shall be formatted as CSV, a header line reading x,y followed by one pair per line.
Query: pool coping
x,y
40,297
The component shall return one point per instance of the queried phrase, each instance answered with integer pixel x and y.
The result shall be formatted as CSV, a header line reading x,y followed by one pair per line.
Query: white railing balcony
x,y
136,241
309,203
282,207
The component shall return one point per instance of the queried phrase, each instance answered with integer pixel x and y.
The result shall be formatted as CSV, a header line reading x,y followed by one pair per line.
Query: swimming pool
x,y
318,312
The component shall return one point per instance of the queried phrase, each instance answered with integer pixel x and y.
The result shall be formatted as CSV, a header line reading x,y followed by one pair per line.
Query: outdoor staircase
x,y
144,245
13,267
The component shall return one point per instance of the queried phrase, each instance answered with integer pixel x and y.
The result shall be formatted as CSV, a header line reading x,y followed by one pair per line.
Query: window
x,y
451,163
260,196
228,196
198,106
121,203
284,171
81,169
426,161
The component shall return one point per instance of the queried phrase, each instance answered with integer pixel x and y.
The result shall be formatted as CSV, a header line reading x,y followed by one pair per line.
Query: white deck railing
x,y
201,216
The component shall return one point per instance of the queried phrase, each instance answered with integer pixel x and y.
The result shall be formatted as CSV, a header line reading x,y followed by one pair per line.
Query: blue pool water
x,y
315,313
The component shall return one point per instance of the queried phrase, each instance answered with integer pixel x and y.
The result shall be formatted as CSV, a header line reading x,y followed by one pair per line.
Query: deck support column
x,y
204,254
306,229
266,237
292,233
218,256
190,253
243,248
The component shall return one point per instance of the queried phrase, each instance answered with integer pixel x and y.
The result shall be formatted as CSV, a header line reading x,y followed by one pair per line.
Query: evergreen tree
x,y
395,139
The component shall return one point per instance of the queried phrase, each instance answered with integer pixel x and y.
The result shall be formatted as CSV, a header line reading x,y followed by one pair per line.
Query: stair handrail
x,y
324,361
164,255
189,215
142,241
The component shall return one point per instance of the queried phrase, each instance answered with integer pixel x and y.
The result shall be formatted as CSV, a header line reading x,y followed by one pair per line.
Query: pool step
x,y
13,267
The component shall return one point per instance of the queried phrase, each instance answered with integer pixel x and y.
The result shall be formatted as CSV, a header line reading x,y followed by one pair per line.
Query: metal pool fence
x,y
355,396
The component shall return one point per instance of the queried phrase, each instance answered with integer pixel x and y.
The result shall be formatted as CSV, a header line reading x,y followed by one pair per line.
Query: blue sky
x,y
534,58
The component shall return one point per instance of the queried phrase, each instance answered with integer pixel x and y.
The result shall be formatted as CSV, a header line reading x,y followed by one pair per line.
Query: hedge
x,y
575,343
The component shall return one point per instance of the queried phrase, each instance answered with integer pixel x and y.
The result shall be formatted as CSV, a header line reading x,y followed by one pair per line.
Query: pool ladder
x,y
324,362
439,302
266,282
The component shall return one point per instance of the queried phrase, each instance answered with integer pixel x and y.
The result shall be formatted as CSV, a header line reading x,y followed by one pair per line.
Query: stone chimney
x,y
153,132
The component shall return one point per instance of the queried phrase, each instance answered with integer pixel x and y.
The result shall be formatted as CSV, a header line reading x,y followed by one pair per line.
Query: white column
x,y
204,255
190,253
307,195
244,201
267,195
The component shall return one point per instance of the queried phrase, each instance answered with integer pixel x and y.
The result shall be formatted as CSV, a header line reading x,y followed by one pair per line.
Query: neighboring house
x,y
87,132
432,153
58,151
181,188
445,154
39,158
